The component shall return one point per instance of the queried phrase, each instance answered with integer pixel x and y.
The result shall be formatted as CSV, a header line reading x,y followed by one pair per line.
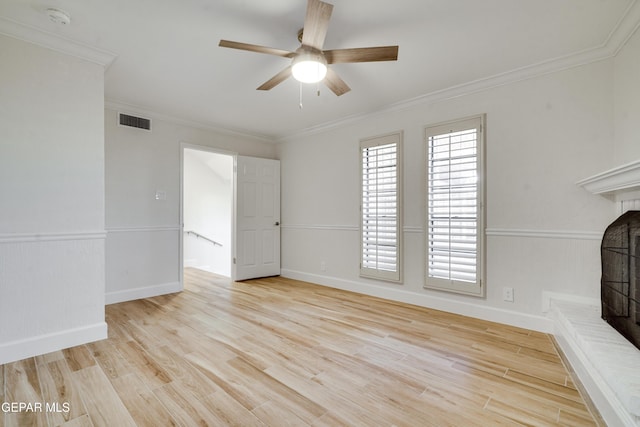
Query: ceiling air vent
x,y
135,122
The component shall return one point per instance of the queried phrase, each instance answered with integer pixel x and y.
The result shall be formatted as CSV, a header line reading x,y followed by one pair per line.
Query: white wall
x,y
627,102
142,250
208,204
52,200
543,231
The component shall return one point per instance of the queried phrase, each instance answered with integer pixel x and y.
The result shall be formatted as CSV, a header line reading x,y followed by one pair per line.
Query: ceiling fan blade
x,y
316,23
256,48
362,54
276,80
335,83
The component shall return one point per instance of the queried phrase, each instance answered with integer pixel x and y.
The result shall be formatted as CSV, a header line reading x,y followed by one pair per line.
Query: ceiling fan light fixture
x,y
309,67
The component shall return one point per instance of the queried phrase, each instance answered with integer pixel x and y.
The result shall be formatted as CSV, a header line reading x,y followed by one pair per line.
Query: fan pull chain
x,y
300,96
318,88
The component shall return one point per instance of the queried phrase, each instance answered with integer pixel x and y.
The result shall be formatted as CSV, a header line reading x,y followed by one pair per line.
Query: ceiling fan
x,y
309,61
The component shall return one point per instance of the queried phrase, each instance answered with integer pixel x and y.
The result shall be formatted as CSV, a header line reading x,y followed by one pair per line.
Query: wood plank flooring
x,y
279,352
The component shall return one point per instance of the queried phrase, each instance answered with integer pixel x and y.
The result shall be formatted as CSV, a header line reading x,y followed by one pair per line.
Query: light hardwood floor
x,y
279,352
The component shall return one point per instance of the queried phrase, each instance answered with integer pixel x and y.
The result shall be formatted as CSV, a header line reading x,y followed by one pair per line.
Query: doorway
x,y
207,210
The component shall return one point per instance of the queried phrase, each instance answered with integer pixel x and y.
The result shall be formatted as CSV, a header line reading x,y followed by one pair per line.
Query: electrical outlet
x,y
507,294
323,266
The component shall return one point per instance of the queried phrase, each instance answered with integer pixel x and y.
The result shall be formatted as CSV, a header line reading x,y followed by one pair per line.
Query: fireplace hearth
x,y
620,283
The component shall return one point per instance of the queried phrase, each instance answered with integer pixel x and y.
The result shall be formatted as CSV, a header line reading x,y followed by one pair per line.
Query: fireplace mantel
x,y
615,182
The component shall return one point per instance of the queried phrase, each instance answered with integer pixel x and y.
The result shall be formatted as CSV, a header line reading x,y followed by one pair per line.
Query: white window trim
x,y
477,288
397,138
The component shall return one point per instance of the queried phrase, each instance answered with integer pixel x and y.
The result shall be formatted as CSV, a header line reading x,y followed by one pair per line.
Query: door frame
x,y
234,156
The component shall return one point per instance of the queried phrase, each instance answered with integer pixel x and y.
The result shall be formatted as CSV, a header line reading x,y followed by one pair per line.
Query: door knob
x,y
277,223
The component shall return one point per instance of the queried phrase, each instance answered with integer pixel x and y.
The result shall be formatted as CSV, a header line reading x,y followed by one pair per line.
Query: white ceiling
x,y
168,60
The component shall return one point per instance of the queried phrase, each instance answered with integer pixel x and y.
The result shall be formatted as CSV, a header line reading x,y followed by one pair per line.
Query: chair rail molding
x,y
52,236
544,234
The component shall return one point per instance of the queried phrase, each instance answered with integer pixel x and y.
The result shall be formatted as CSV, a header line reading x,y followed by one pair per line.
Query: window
x,y
454,206
381,207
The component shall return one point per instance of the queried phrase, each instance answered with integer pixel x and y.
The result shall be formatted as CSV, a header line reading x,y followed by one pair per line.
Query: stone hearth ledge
x,y
606,363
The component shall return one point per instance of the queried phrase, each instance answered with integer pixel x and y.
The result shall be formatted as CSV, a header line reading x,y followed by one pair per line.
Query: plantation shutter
x,y
381,208
454,201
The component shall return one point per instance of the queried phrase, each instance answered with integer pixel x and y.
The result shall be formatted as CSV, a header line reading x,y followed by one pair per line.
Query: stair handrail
x,y
200,236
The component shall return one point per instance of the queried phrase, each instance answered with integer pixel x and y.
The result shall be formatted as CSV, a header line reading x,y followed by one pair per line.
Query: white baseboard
x,y
42,344
492,314
144,292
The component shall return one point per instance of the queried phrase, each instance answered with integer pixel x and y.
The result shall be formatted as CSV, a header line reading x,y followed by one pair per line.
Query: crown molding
x,y
513,76
56,42
103,57
614,42
124,107
625,28
617,38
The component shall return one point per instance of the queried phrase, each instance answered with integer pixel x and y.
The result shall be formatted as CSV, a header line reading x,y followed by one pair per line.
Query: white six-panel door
x,y
257,222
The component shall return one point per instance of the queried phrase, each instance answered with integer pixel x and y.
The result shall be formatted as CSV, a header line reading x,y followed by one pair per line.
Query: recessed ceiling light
x,y
58,16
